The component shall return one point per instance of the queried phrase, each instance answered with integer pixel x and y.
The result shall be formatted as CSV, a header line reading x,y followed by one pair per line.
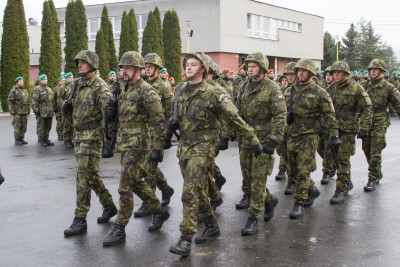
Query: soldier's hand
x,y
269,148
223,143
289,117
335,143
362,134
172,125
66,107
156,155
257,149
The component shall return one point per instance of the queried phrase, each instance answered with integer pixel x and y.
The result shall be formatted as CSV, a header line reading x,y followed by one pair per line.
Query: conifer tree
x,y
129,33
133,31
108,33
56,29
124,36
14,49
151,37
101,52
172,44
159,33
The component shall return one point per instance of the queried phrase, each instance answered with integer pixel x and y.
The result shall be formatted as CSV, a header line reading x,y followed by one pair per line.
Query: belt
x,y
89,126
199,133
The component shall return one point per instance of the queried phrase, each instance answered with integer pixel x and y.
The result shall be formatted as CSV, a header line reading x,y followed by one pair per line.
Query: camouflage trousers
x,y
194,194
342,159
155,177
373,146
44,127
255,171
132,181
325,152
20,123
87,178
301,162
39,125
67,128
281,149
60,124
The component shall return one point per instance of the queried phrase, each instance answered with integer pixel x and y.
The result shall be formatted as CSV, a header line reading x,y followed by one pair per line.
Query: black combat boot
x,y
142,211
18,142
116,236
68,144
290,189
166,196
44,143
244,203
217,203
371,186
158,219
182,247
78,226
49,142
1,178
297,211
23,141
210,233
338,197
281,175
220,181
269,208
108,213
312,195
251,227
326,178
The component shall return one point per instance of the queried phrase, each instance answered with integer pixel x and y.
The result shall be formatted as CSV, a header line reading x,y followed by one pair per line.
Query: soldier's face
x,y
70,79
43,81
112,77
151,70
375,73
128,72
83,66
164,74
284,82
291,78
20,83
61,82
303,75
253,69
328,78
339,76
194,69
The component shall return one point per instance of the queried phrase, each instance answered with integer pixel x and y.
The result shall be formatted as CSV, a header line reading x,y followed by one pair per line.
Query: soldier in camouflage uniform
x,y
394,80
308,104
67,126
18,104
87,108
226,82
163,74
349,98
112,77
282,147
155,177
197,115
43,107
57,108
324,145
141,128
237,83
262,105
382,93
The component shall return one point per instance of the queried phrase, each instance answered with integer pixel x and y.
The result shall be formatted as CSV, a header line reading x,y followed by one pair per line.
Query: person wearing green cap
x,y
18,104
164,74
57,107
394,80
112,77
67,118
43,107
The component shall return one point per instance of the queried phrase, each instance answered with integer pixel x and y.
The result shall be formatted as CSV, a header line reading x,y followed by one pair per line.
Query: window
x,y
116,24
267,28
141,21
290,26
62,31
274,29
93,27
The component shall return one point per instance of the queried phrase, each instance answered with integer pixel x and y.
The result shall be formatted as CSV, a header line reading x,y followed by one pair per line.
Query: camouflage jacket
x,y
43,101
310,103
395,82
227,85
330,88
263,107
62,93
18,101
141,118
382,93
199,112
349,98
56,103
89,102
164,90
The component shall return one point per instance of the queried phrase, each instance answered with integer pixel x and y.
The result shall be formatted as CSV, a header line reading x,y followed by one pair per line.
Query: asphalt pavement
x,y
37,203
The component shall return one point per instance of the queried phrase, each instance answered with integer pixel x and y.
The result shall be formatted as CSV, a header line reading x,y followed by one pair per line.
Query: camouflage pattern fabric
x,y
43,104
59,117
18,104
68,130
20,123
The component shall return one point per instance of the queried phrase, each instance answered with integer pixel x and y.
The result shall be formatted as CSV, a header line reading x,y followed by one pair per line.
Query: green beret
x,y
41,77
67,75
317,68
163,70
322,72
279,75
19,78
394,72
111,73
61,77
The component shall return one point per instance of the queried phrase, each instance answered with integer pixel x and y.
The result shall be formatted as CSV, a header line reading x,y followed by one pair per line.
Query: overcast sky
x,y
339,14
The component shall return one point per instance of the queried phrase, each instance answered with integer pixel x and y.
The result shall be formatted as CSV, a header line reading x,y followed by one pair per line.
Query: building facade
x,y
226,30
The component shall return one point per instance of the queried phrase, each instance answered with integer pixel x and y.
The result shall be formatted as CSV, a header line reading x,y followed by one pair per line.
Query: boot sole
x,y
325,181
247,233
114,243
336,202
202,241
180,253
75,233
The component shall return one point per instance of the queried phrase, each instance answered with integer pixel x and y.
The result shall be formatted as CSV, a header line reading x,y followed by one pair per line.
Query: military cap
x,y
163,70
67,75
19,78
131,58
41,77
61,77
111,73
88,56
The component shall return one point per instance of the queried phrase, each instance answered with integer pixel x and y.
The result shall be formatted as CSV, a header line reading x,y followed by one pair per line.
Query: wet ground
x,y
37,203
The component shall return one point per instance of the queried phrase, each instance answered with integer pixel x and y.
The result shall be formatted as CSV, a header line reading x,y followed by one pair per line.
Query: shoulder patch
x,y
280,97
153,97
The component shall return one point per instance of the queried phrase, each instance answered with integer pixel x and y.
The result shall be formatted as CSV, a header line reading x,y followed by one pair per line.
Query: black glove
x,y
111,111
362,134
289,117
335,143
269,148
156,155
223,143
257,149
172,125
167,141
66,107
